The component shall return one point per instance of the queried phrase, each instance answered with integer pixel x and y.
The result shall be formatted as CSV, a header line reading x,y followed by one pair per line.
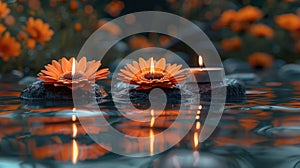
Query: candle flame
x,y
73,66
200,61
152,70
75,152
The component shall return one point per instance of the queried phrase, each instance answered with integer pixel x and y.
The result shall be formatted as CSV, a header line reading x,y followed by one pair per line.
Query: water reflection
x,y
261,131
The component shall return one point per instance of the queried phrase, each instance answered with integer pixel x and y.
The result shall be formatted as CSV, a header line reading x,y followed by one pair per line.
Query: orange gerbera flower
x,y
9,47
4,11
289,21
72,73
38,30
231,44
262,30
149,74
260,60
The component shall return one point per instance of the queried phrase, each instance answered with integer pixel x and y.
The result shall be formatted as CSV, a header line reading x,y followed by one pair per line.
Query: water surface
x,y
262,131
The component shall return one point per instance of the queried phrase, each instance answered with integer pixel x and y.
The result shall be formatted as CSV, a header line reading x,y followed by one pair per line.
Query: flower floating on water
x,y
151,73
9,47
4,11
72,73
38,30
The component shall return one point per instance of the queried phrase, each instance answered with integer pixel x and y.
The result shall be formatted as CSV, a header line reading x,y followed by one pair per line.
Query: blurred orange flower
x,y
137,42
34,4
227,17
30,43
261,30
239,26
9,47
260,60
2,28
77,27
22,35
10,20
73,5
114,8
240,20
249,14
72,73
4,10
289,21
110,27
88,9
38,30
231,44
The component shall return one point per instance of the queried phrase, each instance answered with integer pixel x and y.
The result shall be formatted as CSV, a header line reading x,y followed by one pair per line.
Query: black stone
x,y
290,72
140,98
235,91
38,91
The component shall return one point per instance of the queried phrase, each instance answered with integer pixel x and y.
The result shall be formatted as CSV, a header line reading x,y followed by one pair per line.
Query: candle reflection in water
x,y
74,143
151,132
198,126
196,137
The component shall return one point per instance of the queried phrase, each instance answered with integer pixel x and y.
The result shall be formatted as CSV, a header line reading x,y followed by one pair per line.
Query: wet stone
x,y
290,72
38,91
140,98
235,91
27,80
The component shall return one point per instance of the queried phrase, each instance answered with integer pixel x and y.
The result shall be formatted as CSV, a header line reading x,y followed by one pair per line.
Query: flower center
x,y
152,76
69,76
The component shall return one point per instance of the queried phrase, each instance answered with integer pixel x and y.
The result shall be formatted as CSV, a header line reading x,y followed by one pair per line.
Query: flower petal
x,y
65,65
81,65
